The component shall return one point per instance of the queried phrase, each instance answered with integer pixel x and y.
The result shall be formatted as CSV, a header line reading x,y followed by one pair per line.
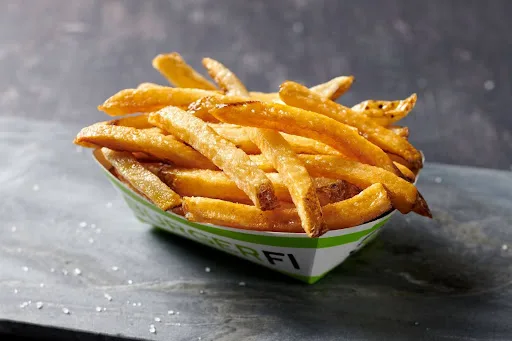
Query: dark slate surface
x,y
60,59
447,279
444,279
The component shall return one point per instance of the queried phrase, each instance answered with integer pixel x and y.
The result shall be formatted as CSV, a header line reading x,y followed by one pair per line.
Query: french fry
x,y
365,206
233,161
179,73
334,88
403,194
400,131
295,176
408,174
226,79
302,145
217,185
142,179
299,96
137,140
386,113
130,101
138,121
305,123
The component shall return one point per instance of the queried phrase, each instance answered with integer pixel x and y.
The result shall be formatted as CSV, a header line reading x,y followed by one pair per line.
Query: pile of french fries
x,y
291,161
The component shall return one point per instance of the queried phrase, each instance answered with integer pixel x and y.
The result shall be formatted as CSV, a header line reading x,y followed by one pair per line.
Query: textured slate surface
x,y
444,279
62,58
447,279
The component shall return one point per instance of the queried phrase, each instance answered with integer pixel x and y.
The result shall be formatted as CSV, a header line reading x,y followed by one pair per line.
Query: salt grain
x,y
41,285
242,284
66,311
90,240
77,272
98,230
130,281
504,247
170,312
52,270
82,224
115,268
109,204
488,85
158,319
93,226
298,27
35,188
98,309
139,304
134,304
39,305
438,180
15,291
13,228
152,329
24,304
207,269
201,291
25,268
65,272
108,297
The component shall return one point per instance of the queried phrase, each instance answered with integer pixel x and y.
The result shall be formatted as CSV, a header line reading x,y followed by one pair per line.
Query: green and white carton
x,y
293,254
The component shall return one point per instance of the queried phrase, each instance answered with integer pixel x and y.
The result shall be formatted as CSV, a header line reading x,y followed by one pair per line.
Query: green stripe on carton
x,y
293,242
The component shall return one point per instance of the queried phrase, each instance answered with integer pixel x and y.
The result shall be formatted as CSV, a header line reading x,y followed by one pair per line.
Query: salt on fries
x,y
288,161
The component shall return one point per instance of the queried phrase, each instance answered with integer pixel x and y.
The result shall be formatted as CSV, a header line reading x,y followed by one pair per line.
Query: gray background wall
x,y
59,59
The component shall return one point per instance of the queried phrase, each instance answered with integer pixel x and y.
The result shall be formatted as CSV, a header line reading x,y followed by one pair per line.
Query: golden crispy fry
x,y
299,96
408,174
403,194
331,89
302,145
142,179
400,131
226,79
400,160
334,88
137,140
386,113
217,185
308,124
179,73
138,121
149,99
233,161
365,206
295,176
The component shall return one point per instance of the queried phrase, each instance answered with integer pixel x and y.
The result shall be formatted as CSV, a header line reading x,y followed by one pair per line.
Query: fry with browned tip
x,y
386,113
299,96
233,161
163,147
305,123
130,101
174,68
295,176
142,179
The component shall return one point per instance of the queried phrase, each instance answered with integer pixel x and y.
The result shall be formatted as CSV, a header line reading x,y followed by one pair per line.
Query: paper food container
x,y
293,254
